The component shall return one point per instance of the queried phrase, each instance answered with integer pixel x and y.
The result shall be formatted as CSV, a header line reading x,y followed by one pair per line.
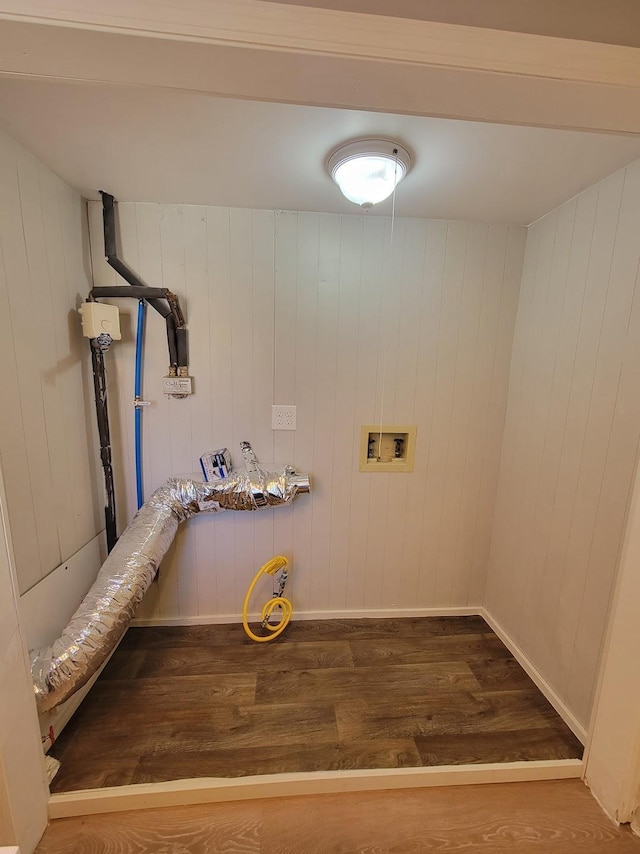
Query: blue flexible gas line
x,y
138,409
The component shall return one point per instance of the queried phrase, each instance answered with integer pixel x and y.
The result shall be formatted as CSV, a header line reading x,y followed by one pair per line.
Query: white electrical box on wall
x,y
100,318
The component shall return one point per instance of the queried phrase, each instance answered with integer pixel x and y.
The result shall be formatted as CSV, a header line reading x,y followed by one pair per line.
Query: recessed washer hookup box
x,y
216,464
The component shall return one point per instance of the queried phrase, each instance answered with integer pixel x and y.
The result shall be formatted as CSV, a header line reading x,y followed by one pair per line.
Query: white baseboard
x,y
207,790
530,669
380,613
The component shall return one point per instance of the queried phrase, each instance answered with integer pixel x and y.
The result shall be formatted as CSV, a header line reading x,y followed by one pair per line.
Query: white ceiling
x,y
159,145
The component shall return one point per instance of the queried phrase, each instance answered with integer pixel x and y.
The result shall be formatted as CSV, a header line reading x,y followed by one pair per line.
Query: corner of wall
x,y
520,239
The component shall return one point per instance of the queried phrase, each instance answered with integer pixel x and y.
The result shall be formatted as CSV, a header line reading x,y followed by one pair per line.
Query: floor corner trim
x,y
531,670
221,789
339,614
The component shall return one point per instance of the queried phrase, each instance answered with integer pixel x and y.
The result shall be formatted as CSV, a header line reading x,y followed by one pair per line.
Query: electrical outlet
x,y
283,417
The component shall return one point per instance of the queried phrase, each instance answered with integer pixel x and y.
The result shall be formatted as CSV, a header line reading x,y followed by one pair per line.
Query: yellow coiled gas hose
x,y
277,601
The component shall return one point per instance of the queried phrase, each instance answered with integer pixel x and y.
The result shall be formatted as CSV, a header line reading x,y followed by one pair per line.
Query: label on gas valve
x,y
177,385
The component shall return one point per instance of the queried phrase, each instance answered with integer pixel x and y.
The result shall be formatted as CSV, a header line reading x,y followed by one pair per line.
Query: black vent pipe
x,y
167,305
162,300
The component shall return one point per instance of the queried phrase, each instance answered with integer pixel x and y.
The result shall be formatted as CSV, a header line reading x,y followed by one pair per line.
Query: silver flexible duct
x,y
105,612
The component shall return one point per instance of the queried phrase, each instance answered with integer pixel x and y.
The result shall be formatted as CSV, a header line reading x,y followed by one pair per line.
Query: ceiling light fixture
x,y
368,170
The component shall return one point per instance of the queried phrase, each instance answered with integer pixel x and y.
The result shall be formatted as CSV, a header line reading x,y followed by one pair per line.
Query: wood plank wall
x,y
47,445
327,313
571,435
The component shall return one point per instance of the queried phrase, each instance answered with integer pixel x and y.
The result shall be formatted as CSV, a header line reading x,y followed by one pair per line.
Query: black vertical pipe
x,y
111,254
172,341
182,347
102,413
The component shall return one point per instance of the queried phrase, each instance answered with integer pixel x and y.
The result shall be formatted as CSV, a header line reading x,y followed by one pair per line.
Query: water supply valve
x,y
102,342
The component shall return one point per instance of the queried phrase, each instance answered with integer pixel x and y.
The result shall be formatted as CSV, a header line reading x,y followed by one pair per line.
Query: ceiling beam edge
x,y
326,32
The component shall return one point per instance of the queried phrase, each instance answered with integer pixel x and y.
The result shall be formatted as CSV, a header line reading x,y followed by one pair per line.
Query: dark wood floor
x,y
558,817
205,701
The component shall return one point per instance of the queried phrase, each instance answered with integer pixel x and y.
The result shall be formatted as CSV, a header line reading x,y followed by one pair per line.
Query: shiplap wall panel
x,y
390,511
194,225
611,441
306,367
591,414
487,319
179,232
410,306
436,582
47,439
327,368
571,435
56,389
345,428
241,365
455,495
55,523
495,418
284,326
74,365
353,324
15,457
574,300
263,260
25,305
412,585
36,309
366,491
215,554
546,409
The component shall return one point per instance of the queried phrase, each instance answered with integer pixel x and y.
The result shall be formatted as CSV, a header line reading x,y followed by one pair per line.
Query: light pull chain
x,y
384,351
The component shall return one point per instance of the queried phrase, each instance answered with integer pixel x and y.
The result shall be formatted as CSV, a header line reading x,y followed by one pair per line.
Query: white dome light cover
x,y
368,170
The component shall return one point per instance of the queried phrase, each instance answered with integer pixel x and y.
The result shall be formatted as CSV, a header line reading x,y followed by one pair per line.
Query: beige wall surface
x,y
52,498
23,788
321,311
613,757
571,435
46,420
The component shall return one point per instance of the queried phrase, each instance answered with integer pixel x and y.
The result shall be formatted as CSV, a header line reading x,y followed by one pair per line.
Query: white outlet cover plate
x,y
283,417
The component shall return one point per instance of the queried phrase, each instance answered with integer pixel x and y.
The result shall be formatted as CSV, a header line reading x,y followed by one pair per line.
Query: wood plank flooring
x,y
558,817
177,702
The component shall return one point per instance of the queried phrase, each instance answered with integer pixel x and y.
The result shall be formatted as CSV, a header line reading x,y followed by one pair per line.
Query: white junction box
x,y
283,417
177,385
100,318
